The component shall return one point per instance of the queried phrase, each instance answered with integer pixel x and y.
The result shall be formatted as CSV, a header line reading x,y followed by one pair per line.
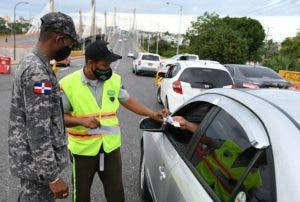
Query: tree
x,y
250,30
225,39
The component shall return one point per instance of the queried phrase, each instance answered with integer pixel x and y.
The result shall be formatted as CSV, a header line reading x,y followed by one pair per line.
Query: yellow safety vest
x,y
84,141
216,169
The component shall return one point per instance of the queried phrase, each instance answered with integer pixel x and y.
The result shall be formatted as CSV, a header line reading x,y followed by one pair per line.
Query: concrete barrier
x,y
77,53
291,76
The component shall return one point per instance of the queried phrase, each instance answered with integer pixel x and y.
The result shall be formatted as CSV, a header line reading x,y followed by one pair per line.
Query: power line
x,y
268,7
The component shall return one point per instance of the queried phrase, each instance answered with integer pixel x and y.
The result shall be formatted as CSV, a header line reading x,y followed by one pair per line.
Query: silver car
x,y
246,148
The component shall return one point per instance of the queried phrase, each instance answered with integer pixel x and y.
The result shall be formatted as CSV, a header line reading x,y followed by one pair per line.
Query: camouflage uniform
x,y
37,141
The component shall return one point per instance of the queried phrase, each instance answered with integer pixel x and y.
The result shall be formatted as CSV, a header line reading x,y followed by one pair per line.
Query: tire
x,y
143,188
133,70
158,96
136,71
167,103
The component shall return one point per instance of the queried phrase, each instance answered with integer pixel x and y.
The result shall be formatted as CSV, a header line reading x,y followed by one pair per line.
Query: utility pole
x,y
134,18
115,17
148,42
157,39
80,26
93,25
105,26
51,6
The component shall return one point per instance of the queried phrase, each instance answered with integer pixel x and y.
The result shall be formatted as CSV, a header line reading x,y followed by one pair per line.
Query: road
x,y
140,87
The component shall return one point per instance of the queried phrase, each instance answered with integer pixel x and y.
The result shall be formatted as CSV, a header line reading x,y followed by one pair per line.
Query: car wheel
x,y
136,71
133,70
143,188
166,103
158,96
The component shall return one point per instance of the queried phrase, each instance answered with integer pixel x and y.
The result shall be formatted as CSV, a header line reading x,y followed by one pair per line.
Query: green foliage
x,y
288,57
227,40
20,28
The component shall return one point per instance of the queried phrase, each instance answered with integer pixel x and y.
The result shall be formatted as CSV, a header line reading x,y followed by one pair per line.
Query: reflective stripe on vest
x,y
216,168
84,141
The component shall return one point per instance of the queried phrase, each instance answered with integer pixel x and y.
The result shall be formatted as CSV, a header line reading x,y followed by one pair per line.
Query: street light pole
x,y
179,27
14,25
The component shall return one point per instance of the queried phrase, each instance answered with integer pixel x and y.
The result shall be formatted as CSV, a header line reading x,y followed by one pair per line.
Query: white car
x,y
146,62
245,149
186,79
175,58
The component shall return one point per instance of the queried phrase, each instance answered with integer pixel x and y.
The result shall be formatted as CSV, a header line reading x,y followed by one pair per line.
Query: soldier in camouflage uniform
x,y
36,138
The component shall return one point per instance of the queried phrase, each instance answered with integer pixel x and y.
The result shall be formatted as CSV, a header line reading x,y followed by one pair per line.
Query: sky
x,y
280,17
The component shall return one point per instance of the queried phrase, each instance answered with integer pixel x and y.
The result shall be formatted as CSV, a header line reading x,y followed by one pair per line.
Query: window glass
x,y
150,57
193,112
223,155
259,72
176,70
205,78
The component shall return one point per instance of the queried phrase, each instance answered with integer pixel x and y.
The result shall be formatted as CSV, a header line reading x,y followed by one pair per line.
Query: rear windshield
x,y
188,57
206,78
150,57
258,72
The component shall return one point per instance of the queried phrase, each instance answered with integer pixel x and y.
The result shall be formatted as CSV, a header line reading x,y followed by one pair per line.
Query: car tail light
x,y
250,85
139,62
292,88
177,87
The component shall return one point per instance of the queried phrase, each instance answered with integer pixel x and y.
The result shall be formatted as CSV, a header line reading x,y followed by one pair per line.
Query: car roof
x,y
287,101
245,66
210,64
144,53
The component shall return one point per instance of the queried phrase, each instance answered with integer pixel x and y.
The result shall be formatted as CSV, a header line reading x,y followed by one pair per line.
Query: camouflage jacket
x,y
36,138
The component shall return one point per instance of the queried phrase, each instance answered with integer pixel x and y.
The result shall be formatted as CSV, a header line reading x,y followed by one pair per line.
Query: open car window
x,y
194,112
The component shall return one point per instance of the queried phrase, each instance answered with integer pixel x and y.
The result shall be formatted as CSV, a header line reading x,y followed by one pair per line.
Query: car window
x,y
231,70
150,57
258,72
194,112
175,70
169,73
223,155
205,78
188,57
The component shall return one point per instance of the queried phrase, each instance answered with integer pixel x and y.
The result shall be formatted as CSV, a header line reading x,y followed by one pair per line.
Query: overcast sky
x,y
190,7
280,18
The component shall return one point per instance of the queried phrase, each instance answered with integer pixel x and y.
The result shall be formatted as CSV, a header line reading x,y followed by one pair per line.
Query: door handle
x,y
162,173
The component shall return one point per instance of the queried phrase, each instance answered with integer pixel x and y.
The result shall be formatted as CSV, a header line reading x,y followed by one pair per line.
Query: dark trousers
x,y
84,169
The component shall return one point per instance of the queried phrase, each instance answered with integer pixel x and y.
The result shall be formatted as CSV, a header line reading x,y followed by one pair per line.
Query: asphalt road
x,y
139,87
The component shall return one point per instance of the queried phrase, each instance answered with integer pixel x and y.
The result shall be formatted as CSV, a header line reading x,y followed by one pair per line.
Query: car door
x,y
166,84
231,155
160,157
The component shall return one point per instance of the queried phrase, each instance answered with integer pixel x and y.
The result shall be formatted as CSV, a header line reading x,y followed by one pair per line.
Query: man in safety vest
x,y
223,163
91,98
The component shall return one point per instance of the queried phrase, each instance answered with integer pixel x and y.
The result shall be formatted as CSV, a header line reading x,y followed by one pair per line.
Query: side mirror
x,y
131,55
148,124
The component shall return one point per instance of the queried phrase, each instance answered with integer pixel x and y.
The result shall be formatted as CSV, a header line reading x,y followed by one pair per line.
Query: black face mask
x,y
103,75
62,53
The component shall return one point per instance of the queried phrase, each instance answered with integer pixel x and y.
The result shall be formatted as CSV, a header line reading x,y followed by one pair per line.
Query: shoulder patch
x,y
42,87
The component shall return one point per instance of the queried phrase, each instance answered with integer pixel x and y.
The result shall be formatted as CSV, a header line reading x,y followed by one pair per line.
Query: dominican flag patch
x,y
42,88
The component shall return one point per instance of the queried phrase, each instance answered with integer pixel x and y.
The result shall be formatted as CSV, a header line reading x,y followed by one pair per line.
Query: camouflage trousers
x,y
34,191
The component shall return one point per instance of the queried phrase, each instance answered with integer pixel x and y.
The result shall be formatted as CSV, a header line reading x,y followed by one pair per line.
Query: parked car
x,y
184,56
246,148
62,63
145,62
249,76
186,79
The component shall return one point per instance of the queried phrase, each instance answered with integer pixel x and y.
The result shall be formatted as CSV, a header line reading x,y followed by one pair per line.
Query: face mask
x,y
62,54
103,74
